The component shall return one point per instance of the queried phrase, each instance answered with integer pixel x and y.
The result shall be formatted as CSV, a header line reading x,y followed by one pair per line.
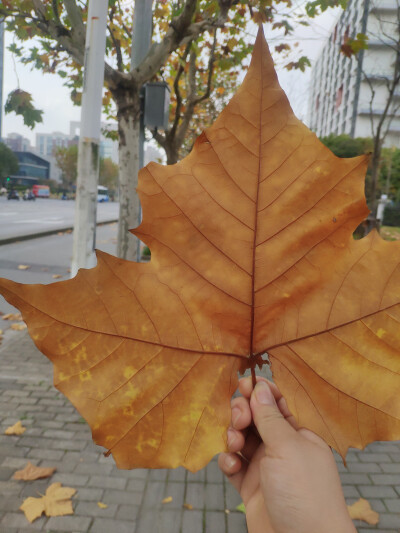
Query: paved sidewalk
x,y
57,436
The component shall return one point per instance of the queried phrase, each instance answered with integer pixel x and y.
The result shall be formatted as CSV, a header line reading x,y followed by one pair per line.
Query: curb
x,y
29,236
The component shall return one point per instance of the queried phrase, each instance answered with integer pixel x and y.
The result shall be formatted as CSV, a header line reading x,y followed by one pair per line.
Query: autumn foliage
x,y
252,254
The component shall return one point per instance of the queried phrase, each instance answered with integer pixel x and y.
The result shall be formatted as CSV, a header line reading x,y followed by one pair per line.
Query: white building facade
x,y
348,93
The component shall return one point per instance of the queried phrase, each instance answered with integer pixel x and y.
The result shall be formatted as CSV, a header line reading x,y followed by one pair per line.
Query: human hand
x,y
286,475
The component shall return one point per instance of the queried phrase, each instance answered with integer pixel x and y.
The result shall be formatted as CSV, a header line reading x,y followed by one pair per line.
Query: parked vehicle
x,y
102,194
13,195
28,195
41,191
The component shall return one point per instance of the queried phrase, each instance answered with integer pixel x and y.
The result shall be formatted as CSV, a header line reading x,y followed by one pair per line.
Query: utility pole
x,y
89,140
141,41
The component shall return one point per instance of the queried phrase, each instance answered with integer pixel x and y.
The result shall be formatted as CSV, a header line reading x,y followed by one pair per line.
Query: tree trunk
x,y
128,113
172,153
375,165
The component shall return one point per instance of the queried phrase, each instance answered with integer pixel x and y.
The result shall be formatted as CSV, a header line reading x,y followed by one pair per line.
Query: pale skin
x,y
286,475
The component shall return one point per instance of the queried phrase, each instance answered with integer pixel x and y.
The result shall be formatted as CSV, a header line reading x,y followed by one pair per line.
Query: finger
x,y
233,467
271,425
246,387
241,413
251,444
283,408
235,440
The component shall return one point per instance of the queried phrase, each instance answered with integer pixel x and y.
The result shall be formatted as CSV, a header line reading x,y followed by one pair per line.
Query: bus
x,y
41,191
102,194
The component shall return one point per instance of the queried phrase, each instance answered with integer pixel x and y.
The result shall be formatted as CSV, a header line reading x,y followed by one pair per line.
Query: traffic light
x,y
8,178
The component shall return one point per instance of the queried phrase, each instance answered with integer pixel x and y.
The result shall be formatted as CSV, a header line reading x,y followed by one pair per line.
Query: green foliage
x,y
352,47
108,174
20,102
389,175
319,6
391,215
67,162
345,146
8,161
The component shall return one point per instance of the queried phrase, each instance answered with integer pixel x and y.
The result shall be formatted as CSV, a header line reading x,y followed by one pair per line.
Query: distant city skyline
x,y
53,98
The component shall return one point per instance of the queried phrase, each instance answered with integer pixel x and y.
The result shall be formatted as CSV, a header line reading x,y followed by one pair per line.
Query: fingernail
x,y
229,462
236,412
231,437
264,394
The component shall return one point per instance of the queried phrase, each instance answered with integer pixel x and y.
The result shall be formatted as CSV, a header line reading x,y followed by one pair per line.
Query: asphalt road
x,y
22,218
46,257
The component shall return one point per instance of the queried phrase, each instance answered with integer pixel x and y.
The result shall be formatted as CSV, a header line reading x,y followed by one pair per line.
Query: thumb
x,y
270,423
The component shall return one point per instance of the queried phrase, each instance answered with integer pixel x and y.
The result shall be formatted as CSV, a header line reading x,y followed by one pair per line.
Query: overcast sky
x,y
53,98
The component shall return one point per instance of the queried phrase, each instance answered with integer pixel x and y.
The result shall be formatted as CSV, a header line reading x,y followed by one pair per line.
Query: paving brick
x,y
12,450
215,521
376,530
71,480
158,474
354,479
67,445
93,468
391,468
15,392
177,474
136,485
51,401
387,520
9,487
110,525
127,512
392,505
107,482
199,476
176,491
15,462
58,434
232,498
193,522
154,494
92,509
213,473
214,496
350,492
10,503
375,491
18,520
384,447
51,455
6,473
68,417
195,495
367,468
375,457
89,495
124,497
385,479
33,488
236,522
70,523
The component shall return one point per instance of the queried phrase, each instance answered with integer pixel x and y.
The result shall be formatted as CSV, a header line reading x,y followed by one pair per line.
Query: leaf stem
x,y
253,376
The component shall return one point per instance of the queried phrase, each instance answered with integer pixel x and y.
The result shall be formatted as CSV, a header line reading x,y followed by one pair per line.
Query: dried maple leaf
x,y
31,472
361,510
56,502
16,429
252,253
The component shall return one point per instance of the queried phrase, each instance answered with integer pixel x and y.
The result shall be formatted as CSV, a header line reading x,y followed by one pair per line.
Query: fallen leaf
x,y
12,316
168,499
361,510
56,502
241,508
1,332
18,327
56,276
188,506
252,253
227,511
31,472
23,267
102,505
16,429
60,233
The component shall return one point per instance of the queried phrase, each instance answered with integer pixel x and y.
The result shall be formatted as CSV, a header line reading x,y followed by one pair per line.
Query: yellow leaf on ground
x,y
56,502
188,506
31,472
168,499
361,510
12,316
18,327
16,429
56,276
23,267
102,505
1,332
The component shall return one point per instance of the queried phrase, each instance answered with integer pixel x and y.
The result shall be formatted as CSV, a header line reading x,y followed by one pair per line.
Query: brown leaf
x,y
361,510
16,429
251,253
31,472
12,316
18,327
56,502
102,505
23,267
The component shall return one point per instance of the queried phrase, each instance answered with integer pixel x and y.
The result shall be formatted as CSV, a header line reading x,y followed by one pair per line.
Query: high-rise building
x,y
347,93
17,143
